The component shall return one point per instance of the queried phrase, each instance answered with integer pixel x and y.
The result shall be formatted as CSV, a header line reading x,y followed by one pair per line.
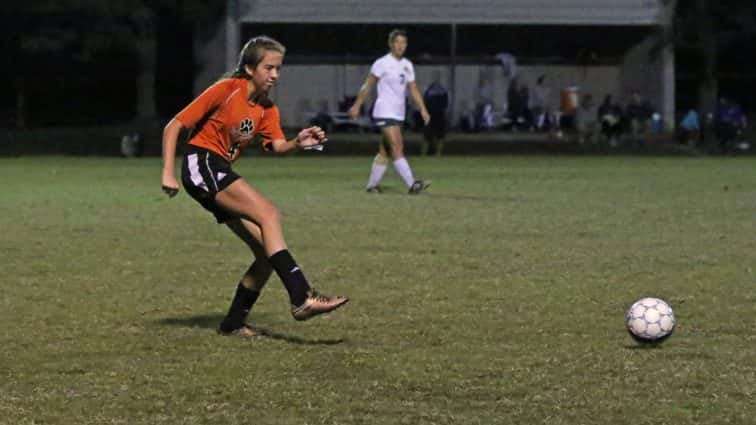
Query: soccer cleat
x,y
245,331
316,304
419,186
374,189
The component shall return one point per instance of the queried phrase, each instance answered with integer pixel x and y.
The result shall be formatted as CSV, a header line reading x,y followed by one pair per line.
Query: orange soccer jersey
x,y
227,120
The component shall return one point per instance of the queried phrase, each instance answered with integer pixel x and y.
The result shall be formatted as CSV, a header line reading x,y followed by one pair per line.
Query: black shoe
x,y
374,189
419,186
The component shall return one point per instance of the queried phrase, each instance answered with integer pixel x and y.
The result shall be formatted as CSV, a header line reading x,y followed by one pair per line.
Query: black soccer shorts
x,y
204,174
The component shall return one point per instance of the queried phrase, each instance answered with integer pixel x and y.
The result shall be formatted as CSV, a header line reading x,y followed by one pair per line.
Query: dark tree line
x,y
715,37
92,54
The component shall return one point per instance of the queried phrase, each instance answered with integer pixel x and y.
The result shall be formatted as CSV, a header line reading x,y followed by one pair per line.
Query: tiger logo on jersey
x,y
241,135
245,130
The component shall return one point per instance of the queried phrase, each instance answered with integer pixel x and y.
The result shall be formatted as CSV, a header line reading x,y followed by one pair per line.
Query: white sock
x,y
403,168
377,171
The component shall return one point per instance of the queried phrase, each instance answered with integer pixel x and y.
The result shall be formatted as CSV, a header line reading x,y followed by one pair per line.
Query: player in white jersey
x,y
394,75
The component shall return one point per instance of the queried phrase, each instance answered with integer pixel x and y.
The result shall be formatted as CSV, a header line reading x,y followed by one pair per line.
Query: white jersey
x,y
393,76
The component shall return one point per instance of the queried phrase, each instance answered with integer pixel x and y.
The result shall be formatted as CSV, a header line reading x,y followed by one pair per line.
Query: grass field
x,y
496,298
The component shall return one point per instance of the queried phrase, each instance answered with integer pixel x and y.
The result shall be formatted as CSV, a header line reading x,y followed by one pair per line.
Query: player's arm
x,y
170,139
187,118
274,139
417,99
362,94
309,138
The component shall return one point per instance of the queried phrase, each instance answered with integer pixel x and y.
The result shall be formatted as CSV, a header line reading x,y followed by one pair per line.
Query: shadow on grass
x,y
211,321
646,346
267,333
477,198
206,321
402,191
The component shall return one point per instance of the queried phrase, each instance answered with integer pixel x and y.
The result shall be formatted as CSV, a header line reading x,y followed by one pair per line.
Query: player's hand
x,y
310,137
354,112
426,117
170,185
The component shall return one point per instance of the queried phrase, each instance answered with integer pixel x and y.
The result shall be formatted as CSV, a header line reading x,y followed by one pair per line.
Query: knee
x,y
263,214
381,159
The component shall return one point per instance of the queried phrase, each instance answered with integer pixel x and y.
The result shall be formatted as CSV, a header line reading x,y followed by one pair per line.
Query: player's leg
x,y
246,202
378,169
393,134
251,284
385,149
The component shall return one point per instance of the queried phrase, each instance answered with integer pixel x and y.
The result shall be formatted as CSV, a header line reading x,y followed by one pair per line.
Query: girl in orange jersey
x,y
224,120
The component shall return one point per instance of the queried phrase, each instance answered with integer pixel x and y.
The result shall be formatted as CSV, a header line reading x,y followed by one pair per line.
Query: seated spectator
x,y
610,117
656,123
517,105
729,123
484,93
586,120
569,103
690,128
540,105
638,114
484,118
467,118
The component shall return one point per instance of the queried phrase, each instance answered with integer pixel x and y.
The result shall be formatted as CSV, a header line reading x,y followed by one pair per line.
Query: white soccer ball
x,y
650,320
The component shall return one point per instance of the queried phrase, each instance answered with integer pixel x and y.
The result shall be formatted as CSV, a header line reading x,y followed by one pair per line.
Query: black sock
x,y
291,276
243,301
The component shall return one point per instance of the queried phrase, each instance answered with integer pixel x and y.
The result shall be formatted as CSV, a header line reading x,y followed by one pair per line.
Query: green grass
x,y
496,298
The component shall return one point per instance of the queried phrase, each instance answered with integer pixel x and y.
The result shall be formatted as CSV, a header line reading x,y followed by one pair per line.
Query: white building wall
x,y
303,88
571,12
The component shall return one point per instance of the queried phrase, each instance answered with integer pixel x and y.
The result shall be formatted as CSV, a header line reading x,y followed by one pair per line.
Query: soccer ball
x,y
650,320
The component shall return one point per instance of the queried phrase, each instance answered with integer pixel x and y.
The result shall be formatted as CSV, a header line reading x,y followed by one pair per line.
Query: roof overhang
x,y
480,12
